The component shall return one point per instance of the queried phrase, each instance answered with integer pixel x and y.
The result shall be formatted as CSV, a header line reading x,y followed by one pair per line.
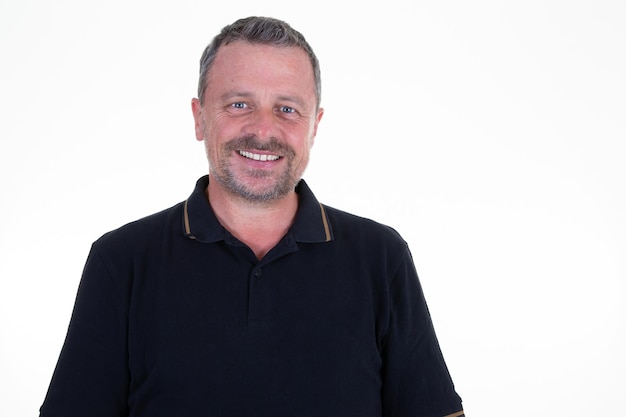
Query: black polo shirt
x,y
175,317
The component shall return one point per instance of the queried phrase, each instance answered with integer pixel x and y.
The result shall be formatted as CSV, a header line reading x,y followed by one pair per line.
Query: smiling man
x,y
251,298
257,114
258,118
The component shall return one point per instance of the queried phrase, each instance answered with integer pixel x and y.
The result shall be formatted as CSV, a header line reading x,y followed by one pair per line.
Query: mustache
x,y
252,142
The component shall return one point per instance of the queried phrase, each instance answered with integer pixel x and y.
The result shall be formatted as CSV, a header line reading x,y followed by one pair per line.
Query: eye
x,y
287,109
239,105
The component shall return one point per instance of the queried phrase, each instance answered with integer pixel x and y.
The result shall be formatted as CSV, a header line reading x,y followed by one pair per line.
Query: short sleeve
x,y
416,381
91,376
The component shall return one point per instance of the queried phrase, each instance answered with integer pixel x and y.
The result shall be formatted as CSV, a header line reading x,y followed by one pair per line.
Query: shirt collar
x,y
311,224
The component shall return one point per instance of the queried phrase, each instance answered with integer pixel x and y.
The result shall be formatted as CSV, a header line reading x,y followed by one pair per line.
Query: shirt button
x,y
258,273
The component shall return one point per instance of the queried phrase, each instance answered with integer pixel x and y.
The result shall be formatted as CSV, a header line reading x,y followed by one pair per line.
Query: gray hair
x,y
262,30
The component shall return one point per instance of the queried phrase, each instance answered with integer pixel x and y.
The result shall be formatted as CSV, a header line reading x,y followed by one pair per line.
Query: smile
x,y
259,157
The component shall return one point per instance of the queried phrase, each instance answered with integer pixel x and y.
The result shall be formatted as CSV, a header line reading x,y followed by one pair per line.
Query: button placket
x,y
259,297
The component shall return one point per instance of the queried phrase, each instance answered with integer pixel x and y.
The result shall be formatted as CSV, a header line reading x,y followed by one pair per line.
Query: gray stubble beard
x,y
284,184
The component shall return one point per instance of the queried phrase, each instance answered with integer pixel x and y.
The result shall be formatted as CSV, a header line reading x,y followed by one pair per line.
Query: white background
x,y
489,133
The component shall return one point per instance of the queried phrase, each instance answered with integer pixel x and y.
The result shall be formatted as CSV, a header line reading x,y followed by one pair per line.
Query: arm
x,y
416,381
91,377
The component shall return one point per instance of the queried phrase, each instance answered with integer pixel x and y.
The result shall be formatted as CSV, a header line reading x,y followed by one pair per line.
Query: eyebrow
x,y
293,99
233,94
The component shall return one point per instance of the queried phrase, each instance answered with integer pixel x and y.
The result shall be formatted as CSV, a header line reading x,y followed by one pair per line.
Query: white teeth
x,y
259,157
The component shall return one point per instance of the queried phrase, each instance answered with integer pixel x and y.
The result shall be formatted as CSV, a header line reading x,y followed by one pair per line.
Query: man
x,y
251,298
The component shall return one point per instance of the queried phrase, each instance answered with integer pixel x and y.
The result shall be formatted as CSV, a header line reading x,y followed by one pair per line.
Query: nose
x,y
263,124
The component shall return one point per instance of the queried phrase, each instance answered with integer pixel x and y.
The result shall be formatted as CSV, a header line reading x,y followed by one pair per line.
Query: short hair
x,y
261,30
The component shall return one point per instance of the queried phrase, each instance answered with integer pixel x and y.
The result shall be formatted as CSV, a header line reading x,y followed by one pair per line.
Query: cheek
x,y
305,153
211,147
222,130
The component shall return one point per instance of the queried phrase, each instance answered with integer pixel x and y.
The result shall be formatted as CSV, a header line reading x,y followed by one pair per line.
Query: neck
x,y
259,226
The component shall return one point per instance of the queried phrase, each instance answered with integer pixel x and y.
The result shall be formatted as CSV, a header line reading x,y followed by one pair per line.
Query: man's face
x,y
258,120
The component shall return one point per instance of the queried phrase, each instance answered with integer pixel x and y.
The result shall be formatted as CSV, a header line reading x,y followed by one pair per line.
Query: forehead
x,y
243,51
243,64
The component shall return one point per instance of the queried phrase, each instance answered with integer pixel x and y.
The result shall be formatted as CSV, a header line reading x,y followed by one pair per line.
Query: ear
x,y
318,118
198,118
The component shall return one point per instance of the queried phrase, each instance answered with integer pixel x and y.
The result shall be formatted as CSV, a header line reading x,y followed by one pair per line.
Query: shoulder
x,y
142,232
375,240
352,224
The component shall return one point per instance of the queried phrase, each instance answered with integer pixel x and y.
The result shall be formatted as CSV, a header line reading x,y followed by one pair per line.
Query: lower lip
x,y
259,163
